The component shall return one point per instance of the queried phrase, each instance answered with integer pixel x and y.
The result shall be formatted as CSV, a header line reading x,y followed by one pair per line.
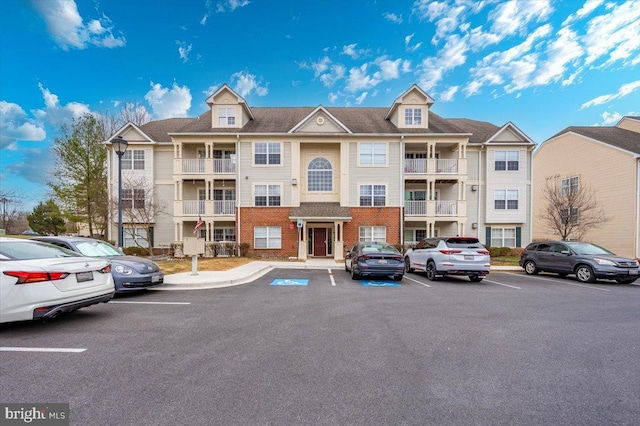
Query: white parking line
x,y
416,281
561,282
506,285
148,303
17,349
333,282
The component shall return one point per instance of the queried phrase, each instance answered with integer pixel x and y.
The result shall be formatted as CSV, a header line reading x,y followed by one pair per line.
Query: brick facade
x,y
389,217
250,217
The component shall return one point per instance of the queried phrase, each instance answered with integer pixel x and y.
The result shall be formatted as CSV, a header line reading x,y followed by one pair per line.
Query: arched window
x,y
320,175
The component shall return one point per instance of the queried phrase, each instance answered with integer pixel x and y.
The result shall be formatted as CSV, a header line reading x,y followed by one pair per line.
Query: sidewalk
x,y
253,270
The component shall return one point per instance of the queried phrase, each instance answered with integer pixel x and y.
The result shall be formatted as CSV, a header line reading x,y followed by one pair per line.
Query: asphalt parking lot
x,y
313,347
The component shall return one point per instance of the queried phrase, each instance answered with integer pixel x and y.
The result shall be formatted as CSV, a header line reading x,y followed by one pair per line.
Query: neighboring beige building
x,y
607,159
311,181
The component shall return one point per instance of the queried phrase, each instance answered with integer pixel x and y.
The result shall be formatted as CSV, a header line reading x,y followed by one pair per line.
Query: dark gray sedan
x,y
129,272
587,261
373,259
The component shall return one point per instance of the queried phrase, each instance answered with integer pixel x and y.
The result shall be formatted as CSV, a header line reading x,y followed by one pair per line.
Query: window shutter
x,y
488,236
518,236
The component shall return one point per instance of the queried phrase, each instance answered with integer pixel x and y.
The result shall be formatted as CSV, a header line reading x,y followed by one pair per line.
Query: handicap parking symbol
x,y
368,283
289,281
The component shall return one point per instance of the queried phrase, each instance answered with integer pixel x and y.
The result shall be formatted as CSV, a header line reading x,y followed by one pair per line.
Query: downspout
x,y
238,192
402,190
530,198
637,242
479,209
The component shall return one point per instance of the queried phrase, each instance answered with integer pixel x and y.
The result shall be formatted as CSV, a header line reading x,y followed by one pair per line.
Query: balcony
x,y
206,208
204,166
433,166
450,208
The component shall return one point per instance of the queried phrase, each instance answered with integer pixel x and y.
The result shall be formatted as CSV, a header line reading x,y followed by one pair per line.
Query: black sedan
x,y
373,259
129,272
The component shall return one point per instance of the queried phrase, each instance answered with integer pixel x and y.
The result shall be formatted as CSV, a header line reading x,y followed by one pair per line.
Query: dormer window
x,y
227,116
412,117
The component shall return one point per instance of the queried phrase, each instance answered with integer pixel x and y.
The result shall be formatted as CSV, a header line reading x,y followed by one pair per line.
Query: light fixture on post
x,y
294,181
120,146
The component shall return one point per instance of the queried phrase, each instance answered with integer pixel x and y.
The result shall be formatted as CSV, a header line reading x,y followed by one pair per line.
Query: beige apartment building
x,y
606,159
312,181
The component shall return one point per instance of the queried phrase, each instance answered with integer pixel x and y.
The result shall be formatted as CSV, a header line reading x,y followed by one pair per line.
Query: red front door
x,y
319,241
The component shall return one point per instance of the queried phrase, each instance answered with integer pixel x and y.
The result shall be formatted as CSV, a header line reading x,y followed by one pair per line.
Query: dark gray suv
x,y
587,261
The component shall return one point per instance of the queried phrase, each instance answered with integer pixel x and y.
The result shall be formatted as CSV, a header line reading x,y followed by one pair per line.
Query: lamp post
x,y
120,146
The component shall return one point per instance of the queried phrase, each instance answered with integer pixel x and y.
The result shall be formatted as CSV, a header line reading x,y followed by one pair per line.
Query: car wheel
x,y
397,277
626,280
345,266
407,265
431,271
354,276
475,278
584,274
530,267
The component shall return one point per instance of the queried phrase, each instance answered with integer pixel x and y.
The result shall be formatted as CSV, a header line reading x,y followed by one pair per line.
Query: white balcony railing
x,y
423,166
446,208
415,208
193,207
447,166
420,208
224,207
224,166
415,166
193,166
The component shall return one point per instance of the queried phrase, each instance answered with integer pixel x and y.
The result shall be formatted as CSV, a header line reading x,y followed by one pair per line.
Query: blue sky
x,y
541,64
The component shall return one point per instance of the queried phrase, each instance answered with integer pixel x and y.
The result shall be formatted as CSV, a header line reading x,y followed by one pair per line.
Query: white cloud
x,y
360,99
359,80
184,50
56,114
588,7
610,118
408,47
336,73
68,30
614,34
452,55
351,51
230,5
333,97
449,94
392,17
169,103
624,90
515,15
15,126
563,50
211,90
245,83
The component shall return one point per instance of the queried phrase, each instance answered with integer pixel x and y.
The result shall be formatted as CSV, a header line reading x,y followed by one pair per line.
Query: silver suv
x,y
438,257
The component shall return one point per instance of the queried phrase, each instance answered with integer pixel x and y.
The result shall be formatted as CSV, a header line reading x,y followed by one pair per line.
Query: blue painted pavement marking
x,y
379,283
289,281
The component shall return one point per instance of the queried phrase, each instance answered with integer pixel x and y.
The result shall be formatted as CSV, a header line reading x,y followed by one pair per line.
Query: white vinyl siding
x,y
372,154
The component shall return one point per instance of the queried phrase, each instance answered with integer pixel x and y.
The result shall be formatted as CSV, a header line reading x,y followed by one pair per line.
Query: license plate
x,y
155,278
84,276
633,272
382,261
468,257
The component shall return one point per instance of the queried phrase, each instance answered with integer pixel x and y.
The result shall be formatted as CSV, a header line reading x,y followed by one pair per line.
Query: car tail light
x,y
35,277
450,251
106,269
483,251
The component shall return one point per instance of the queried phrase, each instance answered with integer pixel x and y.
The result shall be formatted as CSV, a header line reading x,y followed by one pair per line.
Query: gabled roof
x,y
514,128
399,99
614,136
159,130
210,100
481,130
316,111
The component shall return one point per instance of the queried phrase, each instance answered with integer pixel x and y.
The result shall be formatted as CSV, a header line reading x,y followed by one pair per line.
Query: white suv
x,y
438,257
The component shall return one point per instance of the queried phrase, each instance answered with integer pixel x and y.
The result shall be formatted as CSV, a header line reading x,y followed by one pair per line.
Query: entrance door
x,y
319,241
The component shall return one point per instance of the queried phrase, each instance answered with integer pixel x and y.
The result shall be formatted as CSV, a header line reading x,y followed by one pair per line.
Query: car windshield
x,y
464,243
588,248
97,249
26,250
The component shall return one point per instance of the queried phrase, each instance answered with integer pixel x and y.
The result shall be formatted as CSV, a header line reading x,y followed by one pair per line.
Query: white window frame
x,y
321,174
506,195
228,234
133,198
372,233
570,185
372,156
227,116
136,238
373,187
500,235
510,158
268,188
272,236
268,153
133,159
411,118
575,215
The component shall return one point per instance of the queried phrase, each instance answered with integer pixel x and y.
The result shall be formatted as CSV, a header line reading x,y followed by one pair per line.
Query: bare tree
x,y
140,207
571,210
10,205
134,113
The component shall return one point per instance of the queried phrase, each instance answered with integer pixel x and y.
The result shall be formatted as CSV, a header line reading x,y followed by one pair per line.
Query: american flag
x,y
199,223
